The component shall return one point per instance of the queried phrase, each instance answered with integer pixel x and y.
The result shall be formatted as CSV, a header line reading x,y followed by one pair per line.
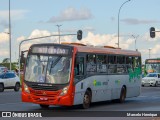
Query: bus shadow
x,y
110,103
79,107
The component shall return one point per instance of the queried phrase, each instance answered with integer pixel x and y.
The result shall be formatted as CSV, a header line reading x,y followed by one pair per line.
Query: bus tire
x,y
44,106
1,87
87,99
122,95
17,87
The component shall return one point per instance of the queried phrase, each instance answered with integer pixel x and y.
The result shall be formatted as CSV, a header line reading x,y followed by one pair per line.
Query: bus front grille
x,y
44,93
48,88
40,96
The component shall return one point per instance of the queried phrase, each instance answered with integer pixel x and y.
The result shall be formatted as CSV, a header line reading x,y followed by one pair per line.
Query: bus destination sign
x,y
153,61
50,50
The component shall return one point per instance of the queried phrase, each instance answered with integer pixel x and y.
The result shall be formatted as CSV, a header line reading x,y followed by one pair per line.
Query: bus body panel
x,y
106,87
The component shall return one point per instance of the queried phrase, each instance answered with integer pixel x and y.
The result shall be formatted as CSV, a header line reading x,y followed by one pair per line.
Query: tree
x,y
6,63
6,60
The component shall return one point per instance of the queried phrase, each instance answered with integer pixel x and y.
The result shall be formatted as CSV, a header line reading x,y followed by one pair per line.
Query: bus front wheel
x,y
122,95
87,99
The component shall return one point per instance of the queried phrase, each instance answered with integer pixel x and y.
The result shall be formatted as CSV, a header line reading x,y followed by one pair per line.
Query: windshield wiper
x,y
54,63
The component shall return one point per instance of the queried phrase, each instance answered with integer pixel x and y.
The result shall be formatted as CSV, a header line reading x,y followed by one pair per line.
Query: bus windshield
x,y
51,69
150,68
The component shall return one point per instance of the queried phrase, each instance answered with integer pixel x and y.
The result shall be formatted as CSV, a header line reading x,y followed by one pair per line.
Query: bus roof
x,y
107,51
102,50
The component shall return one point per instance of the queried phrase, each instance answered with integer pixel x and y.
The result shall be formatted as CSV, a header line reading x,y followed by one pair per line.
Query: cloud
x,y
74,30
106,39
4,37
19,39
15,15
72,14
156,49
154,52
39,33
4,53
95,40
132,21
35,34
90,39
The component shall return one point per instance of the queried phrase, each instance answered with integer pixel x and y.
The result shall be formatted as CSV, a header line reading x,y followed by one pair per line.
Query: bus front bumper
x,y
66,100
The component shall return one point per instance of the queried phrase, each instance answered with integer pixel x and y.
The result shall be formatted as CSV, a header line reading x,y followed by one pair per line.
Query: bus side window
x,y
91,64
79,66
112,67
129,63
102,61
137,62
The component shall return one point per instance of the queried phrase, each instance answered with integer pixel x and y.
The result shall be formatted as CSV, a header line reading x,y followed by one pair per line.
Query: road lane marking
x,y
142,96
10,103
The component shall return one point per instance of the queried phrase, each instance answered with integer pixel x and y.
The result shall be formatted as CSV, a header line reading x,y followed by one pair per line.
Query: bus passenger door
x,y
79,68
79,76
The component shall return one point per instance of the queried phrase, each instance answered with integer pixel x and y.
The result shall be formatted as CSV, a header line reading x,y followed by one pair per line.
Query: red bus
x,y
73,74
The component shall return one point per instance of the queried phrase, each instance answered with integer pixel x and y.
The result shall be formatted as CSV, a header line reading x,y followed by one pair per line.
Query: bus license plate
x,y
44,99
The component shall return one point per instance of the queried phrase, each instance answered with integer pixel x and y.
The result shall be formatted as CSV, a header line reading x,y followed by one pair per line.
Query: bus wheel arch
x,y
87,98
123,94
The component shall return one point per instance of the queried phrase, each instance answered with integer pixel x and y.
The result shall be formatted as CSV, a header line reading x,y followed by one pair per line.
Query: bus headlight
x,y
26,89
64,91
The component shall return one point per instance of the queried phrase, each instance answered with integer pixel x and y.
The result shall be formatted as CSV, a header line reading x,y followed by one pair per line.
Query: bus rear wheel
x,y
44,106
122,95
87,99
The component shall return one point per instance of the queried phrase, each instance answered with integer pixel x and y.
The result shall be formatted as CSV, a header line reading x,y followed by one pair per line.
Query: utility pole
x,y
10,36
135,38
59,32
149,52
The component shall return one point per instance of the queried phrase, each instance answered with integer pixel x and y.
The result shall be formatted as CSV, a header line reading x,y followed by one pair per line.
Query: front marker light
x,y
64,91
26,89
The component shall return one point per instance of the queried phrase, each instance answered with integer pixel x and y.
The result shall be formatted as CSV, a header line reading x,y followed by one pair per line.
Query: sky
x,y
98,19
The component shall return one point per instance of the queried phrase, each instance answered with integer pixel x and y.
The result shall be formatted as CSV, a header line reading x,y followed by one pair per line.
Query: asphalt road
x,y
149,100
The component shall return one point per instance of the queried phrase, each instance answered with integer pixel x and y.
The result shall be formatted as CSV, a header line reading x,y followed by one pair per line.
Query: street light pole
x,y
10,36
59,31
118,18
149,52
